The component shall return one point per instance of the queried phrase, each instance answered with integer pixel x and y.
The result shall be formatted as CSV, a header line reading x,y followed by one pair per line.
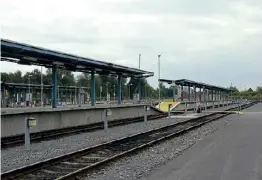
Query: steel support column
x,y
182,93
174,94
54,86
212,96
139,90
223,98
195,98
204,98
200,99
3,97
119,89
189,94
219,98
93,89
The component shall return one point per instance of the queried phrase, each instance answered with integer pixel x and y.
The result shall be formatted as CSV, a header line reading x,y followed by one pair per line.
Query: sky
x,y
215,42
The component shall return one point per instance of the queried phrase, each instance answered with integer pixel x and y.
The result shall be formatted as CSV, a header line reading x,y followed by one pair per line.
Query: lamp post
x,y
159,76
139,59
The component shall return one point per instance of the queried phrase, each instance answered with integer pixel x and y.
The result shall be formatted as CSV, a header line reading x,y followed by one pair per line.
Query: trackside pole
x,y
145,113
169,109
27,133
107,112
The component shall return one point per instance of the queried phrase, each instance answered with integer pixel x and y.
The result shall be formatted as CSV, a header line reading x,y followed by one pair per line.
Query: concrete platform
x,y
5,111
12,120
234,152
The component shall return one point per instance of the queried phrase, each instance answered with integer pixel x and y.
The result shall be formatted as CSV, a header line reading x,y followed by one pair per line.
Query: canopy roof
x,y
186,82
31,55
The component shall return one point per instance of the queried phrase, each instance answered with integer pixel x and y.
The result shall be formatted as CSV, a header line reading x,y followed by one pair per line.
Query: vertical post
x,y
219,98
174,94
119,89
106,89
75,94
195,99
139,90
212,96
27,133
139,58
42,103
105,120
100,93
58,94
114,94
182,93
223,98
93,89
54,86
228,99
169,111
189,94
159,95
186,104
207,98
200,98
29,97
3,98
19,96
79,96
204,97
129,92
215,97
145,113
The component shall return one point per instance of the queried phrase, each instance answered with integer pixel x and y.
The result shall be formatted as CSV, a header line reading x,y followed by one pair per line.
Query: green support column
x,y
93,89
54,86
119,100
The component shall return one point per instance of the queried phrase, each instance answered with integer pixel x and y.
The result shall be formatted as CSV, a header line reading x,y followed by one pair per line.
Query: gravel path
x,y
19,156
143,163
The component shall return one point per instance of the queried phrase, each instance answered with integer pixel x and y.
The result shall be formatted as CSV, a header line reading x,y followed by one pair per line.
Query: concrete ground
x,y
234,152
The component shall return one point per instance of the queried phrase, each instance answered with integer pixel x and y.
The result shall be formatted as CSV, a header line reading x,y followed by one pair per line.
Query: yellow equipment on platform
x,y
164,105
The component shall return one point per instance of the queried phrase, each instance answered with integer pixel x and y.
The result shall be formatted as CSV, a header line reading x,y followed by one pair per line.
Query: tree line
x,y
249,94
106,83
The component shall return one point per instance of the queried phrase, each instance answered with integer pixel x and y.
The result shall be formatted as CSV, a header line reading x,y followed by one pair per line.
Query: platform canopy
x,y
31,55
36,86
186,82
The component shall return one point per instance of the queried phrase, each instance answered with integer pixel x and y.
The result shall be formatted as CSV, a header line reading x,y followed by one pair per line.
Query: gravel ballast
x,y
20,156
141,164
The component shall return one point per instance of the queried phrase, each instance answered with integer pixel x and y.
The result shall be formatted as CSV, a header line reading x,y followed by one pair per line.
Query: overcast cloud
x,y
216,42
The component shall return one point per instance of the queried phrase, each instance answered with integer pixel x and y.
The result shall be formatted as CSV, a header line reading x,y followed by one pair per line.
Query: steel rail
x,y
16,140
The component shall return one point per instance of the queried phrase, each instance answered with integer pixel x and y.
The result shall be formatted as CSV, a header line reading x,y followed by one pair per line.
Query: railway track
x,y
75,164
17,140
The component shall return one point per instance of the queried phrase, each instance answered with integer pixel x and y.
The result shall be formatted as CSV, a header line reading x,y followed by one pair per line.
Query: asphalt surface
x,y
232,153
